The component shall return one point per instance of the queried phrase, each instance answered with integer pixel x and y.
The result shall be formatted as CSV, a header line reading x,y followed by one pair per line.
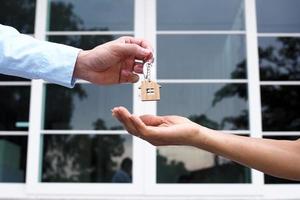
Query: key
x,y
150,90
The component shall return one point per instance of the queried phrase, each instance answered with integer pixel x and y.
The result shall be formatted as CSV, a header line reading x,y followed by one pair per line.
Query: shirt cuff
x,y
61,64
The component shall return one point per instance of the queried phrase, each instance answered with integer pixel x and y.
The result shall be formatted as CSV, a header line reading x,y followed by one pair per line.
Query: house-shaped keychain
x,y
150,90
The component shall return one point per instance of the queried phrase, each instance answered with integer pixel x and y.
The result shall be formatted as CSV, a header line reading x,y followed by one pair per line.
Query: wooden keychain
x,y
150,90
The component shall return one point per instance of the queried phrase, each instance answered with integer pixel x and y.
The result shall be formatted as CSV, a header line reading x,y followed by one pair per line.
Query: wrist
x,y
201,138
80,69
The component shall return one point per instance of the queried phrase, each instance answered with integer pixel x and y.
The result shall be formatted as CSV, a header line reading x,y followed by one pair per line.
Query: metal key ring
x,y
147,72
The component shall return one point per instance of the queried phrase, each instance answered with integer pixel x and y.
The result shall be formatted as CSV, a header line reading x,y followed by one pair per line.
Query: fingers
x,y
123,116
137,51
145,132
141,42
138,68
132,123
136,126
144,49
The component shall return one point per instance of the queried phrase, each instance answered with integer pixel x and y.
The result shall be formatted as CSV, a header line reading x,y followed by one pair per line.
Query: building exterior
x,y
232,65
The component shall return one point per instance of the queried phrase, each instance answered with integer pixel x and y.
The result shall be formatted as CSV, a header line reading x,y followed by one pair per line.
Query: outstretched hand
x,y
113,62
159,130
274,157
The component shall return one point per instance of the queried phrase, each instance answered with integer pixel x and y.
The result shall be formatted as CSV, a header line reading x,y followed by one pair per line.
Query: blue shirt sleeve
x,y
24,56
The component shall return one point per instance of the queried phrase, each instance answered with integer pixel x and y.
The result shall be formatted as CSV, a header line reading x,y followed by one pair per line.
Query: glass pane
x,y
200,15
280,108
83,42
218,106
11,78
103,15
201,56
14,104
279,58
87,158
85,106
275,180
13,155
190,165
278,15
19,14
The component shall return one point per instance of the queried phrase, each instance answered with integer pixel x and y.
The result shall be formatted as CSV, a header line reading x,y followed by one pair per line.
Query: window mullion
x,y
36,106
255,118
144,153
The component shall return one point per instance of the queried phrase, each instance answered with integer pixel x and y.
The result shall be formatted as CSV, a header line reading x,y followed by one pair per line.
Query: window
x,y
87,158
231,65
278,41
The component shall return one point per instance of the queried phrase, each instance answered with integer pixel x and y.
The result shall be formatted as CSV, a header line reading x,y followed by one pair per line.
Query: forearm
x,y
279,158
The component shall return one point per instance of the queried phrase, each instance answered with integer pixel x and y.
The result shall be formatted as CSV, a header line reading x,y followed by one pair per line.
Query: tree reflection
x,y
62,17
278,61
80,158
280,104
19,14
281,60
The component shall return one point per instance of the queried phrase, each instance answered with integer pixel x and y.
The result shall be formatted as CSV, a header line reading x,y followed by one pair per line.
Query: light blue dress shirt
x,y
24,56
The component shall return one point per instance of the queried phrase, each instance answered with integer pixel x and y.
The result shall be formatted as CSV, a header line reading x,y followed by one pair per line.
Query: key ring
x,y
147,75
148,66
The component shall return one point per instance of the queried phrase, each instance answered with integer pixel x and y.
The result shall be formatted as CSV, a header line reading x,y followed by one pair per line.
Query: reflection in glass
x,y
19,14
279,58
274,180
190,165
83,42
201,56
280,108
85,106
14,106
87,158
217,106
13,154
11,78
102,15
200,15
278,15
